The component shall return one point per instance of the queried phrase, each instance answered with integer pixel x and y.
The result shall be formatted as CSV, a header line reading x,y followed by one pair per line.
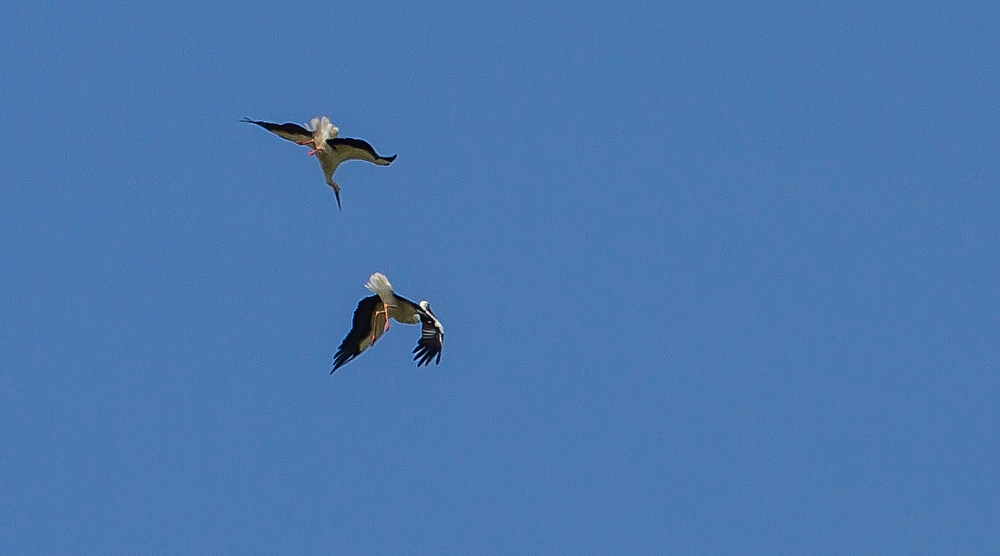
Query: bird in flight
x,y
328,148
371,321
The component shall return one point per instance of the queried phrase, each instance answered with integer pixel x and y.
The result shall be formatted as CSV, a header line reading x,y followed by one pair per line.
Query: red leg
x,y
309,142
384,311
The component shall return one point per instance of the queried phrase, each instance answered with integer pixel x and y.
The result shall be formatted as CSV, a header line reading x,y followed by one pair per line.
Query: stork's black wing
x,y
290,131
361,337
346,148
431,339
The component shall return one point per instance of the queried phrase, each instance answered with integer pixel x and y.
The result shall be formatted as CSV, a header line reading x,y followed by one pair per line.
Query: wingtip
x,y
338,362
423,358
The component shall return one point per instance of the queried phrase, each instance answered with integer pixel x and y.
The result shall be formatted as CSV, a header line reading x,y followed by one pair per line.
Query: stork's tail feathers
x,y
379,284
326,129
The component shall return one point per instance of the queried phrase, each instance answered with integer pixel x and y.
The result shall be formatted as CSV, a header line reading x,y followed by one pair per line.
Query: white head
x,y
427,307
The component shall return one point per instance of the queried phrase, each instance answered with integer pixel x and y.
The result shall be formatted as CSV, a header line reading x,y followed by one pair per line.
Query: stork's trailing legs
x,y
386,320
309,142
385,311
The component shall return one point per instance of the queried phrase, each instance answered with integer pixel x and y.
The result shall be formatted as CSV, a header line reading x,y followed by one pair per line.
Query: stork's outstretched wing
x,y
342,149
346,148
368,326
290,131
431,338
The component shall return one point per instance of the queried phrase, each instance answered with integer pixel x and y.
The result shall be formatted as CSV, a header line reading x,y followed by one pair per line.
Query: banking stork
x,y
371,320
328,148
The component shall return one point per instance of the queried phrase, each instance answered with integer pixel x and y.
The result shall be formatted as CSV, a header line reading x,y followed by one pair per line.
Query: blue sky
x,y
717,278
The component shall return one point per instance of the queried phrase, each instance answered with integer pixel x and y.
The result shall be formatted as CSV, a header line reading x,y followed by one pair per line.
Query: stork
x,y
330,150
371,321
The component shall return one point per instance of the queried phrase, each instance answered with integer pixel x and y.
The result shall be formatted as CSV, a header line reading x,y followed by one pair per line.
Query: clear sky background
x,y
717,278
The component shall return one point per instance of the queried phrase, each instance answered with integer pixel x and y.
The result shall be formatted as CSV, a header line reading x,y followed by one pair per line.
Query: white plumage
x,y
380,285
322,130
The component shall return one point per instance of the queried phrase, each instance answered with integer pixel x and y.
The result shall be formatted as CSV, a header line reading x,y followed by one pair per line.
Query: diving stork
x,y
329,149
371,321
